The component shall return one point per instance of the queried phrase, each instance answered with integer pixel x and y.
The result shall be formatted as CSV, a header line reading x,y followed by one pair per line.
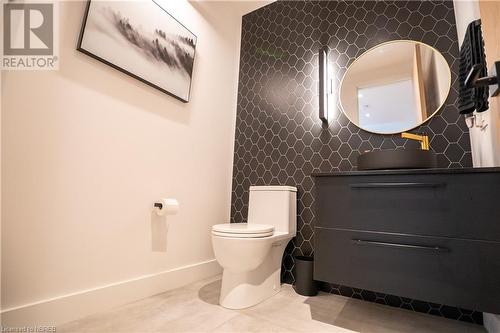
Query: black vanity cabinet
x,y
432,235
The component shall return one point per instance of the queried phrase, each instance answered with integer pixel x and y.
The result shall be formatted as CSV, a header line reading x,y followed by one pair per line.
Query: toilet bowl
x,y
251,253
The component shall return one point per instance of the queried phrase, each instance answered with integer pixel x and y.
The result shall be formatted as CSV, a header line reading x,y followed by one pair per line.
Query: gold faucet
x,y
423,139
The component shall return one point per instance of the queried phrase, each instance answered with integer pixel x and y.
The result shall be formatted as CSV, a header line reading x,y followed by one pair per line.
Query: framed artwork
x,y
141,39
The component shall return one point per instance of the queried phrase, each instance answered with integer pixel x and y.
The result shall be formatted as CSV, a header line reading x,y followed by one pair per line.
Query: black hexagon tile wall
x,y
279,137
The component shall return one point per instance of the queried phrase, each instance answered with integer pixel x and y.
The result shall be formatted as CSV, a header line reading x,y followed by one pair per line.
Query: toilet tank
x,y
274,205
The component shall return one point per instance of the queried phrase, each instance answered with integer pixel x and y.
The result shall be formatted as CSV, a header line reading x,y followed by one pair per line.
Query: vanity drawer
x,y
448,271
451,205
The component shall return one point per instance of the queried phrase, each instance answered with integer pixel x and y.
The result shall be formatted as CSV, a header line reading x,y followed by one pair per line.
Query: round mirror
x,y
395,87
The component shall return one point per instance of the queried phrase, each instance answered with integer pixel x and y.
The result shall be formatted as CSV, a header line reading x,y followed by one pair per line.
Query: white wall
x,y
484,142
466,11
86,150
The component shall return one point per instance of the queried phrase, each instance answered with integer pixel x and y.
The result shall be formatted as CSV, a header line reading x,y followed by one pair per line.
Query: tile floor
x,y
194,309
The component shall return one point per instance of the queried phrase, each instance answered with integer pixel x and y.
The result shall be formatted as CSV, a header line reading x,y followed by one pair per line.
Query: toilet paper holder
x,y
166,206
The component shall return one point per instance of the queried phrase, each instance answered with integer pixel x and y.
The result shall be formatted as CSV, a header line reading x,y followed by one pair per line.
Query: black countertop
x,y
407,172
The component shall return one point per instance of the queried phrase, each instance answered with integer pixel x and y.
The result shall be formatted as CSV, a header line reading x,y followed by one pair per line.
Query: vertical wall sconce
x,y
323,85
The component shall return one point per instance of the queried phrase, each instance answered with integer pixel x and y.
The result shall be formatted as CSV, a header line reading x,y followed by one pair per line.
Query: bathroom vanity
x,y
430,234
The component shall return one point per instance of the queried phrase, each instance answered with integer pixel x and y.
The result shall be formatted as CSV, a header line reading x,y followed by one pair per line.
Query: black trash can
x,y
304,283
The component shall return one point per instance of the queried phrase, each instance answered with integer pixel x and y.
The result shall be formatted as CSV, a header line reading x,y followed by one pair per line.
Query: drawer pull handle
x,y
396,185
400,246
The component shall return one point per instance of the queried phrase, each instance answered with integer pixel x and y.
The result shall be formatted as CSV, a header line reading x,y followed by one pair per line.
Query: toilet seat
x,y
243,230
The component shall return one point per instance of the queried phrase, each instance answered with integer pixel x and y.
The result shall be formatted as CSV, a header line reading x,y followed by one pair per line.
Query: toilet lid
x,y
243,230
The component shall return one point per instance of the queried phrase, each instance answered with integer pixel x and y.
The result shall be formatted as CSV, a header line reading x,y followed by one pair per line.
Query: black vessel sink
x,y
397,159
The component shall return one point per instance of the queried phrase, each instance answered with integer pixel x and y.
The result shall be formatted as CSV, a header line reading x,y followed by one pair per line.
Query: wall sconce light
x,y
323,84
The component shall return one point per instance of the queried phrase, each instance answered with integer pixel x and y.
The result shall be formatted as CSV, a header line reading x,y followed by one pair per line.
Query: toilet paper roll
x,y
168,206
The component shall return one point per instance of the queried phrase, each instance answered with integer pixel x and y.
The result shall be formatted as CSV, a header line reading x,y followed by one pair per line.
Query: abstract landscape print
x,y
142,40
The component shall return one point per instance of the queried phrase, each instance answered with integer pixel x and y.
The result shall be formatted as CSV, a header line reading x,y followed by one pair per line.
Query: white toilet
x,y
250,253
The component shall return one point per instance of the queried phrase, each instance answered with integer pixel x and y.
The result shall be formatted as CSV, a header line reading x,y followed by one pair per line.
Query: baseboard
x,y
65,308
492,322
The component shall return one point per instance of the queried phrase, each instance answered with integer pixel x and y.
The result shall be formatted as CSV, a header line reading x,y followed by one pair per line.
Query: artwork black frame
x,y
92,55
